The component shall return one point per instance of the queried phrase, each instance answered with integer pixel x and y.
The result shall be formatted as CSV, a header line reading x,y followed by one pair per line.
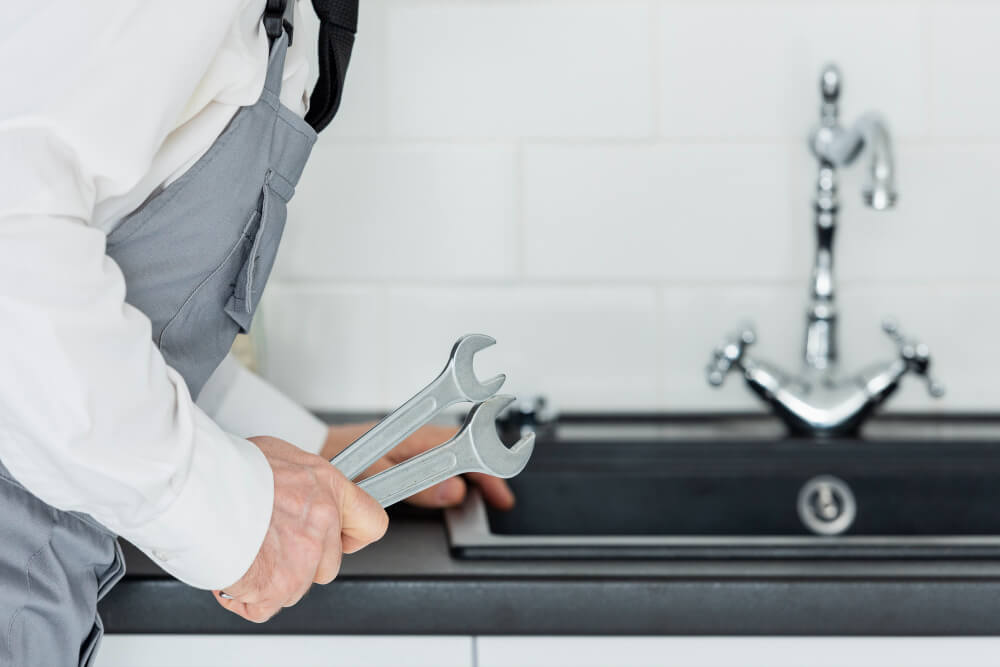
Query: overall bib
x,y
195,256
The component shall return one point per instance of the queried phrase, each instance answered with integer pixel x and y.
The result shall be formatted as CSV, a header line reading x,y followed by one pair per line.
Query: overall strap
x,y
278,25
338,24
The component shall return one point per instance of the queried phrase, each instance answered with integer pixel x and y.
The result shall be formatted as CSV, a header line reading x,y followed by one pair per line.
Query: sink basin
x,y
767,497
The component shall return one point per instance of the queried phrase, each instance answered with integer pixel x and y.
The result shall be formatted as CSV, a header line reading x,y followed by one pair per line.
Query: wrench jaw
x,y
496,458
462,368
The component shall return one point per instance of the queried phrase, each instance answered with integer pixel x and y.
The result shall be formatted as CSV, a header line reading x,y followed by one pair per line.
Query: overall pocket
x,y
263,248
199,336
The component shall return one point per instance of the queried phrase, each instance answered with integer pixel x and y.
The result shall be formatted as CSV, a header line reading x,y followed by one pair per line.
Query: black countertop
x,y
410,584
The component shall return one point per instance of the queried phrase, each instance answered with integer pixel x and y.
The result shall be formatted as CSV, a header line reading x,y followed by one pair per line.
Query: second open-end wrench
x,y
476,448
456,383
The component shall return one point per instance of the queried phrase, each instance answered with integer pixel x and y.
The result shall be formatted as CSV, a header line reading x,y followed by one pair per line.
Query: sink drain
x,y
826,505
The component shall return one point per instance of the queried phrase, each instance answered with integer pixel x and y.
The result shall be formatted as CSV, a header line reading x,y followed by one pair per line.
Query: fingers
x,y
329,564
363,520
451,492
448,493
255,613
496,491
428,437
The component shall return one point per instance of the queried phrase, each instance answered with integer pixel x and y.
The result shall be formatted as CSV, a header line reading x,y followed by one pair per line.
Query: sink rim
x,y
470,536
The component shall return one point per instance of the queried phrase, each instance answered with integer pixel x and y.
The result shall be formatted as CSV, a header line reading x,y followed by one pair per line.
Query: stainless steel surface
x,y
476,448
819,399
456,383
750,428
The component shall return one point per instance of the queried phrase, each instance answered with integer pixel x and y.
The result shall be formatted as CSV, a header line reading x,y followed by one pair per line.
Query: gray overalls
x,y
195,257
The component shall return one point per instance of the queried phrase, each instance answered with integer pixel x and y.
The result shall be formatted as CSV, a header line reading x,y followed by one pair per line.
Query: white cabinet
x,y
284,651
396,651
729,651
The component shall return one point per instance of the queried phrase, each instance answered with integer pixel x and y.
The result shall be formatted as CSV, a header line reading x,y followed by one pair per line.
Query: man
x,y
147,152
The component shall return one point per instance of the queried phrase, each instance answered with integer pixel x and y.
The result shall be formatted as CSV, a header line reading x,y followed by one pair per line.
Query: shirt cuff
x,y
243,403
211,533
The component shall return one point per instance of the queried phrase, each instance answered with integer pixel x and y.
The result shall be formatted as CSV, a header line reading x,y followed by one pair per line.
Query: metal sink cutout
x,y
732,498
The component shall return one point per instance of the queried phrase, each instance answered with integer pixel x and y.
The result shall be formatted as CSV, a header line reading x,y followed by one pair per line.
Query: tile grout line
x,y
520,246
661,355
322,285
383,363
656,80
927,54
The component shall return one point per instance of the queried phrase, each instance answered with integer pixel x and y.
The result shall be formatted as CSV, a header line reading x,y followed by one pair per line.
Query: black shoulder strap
x,y
338,21
338,24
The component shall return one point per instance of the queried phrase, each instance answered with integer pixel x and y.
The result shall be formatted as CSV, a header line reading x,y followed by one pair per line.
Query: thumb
x,y
362,520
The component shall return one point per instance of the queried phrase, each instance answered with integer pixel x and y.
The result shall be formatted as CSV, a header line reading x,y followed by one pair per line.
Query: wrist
x,y
213,529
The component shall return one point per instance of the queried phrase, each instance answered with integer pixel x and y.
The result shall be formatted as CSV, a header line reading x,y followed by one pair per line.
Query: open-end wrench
x,y
456,383
476,448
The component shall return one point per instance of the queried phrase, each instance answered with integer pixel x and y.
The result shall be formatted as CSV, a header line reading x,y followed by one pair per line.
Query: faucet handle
x,y
916,355
829,82
829,87
729,353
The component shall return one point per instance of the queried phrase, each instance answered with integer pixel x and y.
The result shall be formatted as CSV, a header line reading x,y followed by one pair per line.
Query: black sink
x,y
741,498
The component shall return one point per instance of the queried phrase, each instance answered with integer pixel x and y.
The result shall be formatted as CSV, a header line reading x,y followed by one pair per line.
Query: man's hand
x,y
446,494
318,516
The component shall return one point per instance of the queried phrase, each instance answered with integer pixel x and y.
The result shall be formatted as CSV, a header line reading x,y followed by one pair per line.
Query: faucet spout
x,y
841,147
869,134
880,191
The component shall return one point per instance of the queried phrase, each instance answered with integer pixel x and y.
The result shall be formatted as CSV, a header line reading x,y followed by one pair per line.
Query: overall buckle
x,y
277,19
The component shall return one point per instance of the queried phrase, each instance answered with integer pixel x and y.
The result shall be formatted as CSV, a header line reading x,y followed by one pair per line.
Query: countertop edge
x,y
540,606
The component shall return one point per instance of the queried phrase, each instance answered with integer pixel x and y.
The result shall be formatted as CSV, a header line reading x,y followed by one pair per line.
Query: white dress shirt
x,y
102,103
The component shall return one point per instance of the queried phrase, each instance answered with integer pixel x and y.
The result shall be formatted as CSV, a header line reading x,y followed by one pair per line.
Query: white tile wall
x,y
324,345
590,346
943,228
698,212
382,212
607,186
749,69
514,69
964,66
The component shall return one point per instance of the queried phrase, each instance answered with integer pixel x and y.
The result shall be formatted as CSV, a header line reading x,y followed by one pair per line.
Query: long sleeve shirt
x,y
102,103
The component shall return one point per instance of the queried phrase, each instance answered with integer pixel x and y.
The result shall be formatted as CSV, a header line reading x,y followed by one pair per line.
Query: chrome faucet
x,y
818,400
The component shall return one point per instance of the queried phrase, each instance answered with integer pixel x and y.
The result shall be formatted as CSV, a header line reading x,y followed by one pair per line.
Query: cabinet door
x,y
729,651
283,651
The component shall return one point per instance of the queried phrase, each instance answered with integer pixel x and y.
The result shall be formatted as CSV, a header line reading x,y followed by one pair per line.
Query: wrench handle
x,y
411,477
398,426
385,435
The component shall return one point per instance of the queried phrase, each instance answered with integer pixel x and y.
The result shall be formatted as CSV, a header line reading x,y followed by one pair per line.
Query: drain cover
x,y
826,505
